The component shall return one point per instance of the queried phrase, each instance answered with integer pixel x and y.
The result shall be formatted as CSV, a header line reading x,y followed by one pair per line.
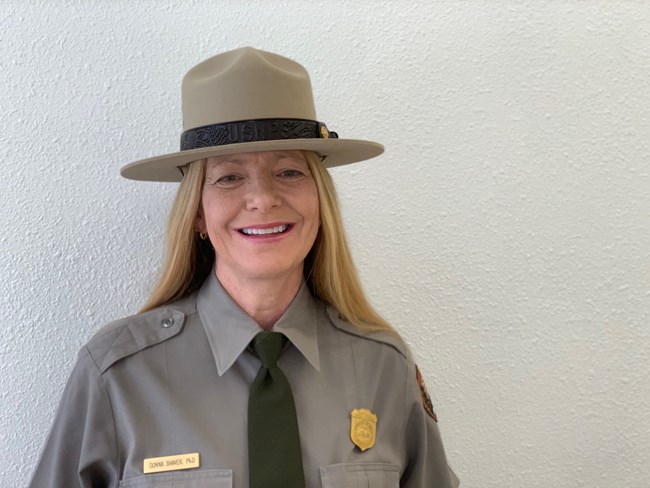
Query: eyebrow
x,y
226,159
232,158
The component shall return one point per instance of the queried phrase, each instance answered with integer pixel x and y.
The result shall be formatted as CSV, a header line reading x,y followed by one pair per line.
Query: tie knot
x,y
268,347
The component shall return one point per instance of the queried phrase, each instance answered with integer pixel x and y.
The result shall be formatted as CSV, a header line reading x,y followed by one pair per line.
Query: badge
x,y
363,428
171,463
426,400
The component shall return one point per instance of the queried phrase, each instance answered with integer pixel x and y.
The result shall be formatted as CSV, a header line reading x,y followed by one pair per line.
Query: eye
x,y
291,173
229,179
225,180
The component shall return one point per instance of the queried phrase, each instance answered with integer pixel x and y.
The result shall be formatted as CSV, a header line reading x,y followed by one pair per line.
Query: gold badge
x,y
171,463
324,133
363,428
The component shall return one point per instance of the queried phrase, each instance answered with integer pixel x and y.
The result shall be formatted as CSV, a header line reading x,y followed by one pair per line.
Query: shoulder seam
x,y
395,342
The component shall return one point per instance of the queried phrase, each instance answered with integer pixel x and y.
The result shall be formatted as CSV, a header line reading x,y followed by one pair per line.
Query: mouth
x,y
256,231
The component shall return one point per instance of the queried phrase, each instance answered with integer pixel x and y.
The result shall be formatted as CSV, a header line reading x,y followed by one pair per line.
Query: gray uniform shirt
x,y
175,380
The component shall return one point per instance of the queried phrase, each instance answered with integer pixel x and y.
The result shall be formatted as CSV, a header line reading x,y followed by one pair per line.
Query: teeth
x,y
273,230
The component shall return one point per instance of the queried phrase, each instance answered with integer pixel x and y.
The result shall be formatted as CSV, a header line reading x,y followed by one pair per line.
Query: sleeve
x,y
81,448
426,461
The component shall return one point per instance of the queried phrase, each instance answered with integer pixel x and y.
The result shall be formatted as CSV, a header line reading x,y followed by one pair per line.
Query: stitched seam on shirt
x,y
167,388
110,348
113,326
110,405
377,341
370,338
405,412
359,401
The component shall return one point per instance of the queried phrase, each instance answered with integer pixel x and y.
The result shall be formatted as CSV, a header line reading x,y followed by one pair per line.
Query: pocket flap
x,y
360,475
209,478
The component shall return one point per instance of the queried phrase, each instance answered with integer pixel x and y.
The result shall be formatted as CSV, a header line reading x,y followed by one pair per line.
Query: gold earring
x,y
203,236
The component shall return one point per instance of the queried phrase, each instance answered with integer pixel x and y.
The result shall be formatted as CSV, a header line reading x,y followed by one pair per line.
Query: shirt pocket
x,y
209,478
360,475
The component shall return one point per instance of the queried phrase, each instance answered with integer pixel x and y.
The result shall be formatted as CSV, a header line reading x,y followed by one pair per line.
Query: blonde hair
x,y
329,269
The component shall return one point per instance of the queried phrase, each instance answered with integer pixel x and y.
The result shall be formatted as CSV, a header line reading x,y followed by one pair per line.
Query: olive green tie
x,y
274,457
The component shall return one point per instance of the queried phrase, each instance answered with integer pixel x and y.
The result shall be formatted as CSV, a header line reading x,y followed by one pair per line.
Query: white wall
x,y
505,231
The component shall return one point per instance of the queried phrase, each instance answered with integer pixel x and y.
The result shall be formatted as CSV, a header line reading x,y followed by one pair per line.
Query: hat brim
x,y
335,152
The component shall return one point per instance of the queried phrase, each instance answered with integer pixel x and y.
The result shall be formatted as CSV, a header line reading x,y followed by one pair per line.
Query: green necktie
x,y
274,457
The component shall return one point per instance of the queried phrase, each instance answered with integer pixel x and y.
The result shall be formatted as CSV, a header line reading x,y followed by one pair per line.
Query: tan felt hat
x,y
249,100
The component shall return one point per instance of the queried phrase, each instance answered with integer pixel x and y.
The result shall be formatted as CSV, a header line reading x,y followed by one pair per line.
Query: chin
x,y
272,272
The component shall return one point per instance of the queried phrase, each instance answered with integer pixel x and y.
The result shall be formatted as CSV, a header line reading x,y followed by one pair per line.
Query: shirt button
x,y
168,322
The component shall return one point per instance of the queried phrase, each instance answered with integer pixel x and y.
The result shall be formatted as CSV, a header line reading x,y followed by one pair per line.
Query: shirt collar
x,y
230,329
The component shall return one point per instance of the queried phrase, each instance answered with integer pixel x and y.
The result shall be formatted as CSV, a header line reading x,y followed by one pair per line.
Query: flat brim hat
x,y
249,100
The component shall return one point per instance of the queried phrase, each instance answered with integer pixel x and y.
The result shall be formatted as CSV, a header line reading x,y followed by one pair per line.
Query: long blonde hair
x,y
329,270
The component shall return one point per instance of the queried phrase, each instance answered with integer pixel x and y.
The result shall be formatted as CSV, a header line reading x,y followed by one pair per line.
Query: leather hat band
x,y
252,131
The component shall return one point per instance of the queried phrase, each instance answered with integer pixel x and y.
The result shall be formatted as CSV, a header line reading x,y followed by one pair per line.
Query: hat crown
x,y
249,100
246,84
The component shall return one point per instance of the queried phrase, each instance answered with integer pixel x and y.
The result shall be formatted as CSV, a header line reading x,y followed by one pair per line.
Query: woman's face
x,y
261,213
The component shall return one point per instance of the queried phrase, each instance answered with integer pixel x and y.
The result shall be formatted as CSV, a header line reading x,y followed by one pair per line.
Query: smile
x,y
272,230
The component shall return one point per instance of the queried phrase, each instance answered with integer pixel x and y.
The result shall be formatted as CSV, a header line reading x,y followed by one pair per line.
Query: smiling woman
x,y
257,361
261,213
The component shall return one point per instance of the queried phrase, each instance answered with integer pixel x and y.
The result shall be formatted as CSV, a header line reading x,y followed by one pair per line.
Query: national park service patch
x,y
426,400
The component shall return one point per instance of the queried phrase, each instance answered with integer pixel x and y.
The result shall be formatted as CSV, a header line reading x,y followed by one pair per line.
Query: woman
x,y
257,360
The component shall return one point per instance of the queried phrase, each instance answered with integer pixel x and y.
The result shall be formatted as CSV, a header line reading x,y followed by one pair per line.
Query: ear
x,y
199,223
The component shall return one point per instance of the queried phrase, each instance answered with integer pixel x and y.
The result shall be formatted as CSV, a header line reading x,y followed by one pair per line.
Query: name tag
x,y
171,463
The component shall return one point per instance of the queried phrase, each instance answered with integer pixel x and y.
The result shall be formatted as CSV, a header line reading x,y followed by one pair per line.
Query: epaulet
x,y
389,338
127,336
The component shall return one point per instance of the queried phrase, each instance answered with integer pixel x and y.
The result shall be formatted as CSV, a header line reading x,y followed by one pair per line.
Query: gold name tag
x,y
171,463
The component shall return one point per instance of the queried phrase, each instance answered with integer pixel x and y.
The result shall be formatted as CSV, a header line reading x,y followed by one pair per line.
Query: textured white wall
x,y
505,231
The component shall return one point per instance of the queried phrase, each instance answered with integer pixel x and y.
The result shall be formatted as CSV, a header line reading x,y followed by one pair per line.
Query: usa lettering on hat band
x,y
252,131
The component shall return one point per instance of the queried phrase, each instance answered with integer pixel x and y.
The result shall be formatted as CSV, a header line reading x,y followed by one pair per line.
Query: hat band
x,y
253,131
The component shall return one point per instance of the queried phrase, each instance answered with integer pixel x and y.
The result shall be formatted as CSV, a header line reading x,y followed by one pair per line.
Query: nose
x,y
263,194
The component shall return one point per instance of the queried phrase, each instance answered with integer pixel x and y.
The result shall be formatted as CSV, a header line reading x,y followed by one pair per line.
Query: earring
x,y
203,236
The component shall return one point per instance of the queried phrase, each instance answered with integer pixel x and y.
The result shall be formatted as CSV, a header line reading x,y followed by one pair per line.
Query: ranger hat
x,y
249,100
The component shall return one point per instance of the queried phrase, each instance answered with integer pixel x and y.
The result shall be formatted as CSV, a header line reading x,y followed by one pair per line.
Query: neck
x,y
264,299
